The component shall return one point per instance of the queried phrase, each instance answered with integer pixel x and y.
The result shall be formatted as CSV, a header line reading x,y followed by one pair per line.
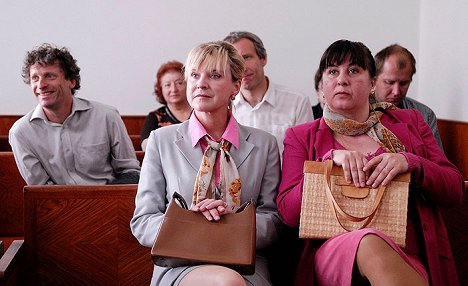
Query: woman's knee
x,y
373,250
213,275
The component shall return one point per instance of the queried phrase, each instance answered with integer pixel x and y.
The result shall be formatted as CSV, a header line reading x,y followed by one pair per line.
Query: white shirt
x,y
279,109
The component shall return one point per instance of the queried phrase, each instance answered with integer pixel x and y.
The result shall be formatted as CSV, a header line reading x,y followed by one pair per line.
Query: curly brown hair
x,y
163,69
48,54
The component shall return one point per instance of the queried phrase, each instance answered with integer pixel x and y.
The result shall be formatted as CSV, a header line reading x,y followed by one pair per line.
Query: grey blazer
x,y
171,165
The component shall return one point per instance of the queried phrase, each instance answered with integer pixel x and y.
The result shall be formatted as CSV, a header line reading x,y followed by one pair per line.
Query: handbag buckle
x,y
351,191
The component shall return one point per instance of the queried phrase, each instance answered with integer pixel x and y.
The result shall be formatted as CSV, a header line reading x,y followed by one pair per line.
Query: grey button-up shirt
x,y
90,147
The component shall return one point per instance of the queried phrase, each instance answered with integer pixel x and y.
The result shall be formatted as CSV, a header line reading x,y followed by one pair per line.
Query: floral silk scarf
x,y
372,126
229,187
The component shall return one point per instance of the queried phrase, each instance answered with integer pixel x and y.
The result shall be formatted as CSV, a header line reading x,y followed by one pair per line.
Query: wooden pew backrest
x,y
140,155
134,123
82,234
454,135
11,197
455,221
4,144
6,121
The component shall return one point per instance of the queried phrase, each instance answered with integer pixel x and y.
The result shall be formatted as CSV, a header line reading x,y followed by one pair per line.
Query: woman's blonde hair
x,y
219,56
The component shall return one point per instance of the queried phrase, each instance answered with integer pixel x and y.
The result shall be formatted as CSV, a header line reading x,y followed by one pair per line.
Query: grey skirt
x,y
163,276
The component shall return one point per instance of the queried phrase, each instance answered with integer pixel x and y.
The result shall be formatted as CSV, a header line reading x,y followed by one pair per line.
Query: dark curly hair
x,y
163,69
47,54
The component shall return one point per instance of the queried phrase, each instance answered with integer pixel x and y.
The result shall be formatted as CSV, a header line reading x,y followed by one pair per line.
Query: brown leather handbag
x,y
187,238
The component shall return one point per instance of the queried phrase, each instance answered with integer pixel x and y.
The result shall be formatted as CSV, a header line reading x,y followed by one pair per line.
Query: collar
x,y
197,131
269,96
78,104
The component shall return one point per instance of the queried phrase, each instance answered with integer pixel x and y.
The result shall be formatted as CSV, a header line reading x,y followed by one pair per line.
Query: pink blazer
x,y
435,180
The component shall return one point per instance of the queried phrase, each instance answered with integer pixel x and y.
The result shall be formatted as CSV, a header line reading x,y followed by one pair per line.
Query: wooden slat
x,y
140,155
134,123
4,144
11,197
136,142
457,228
6,121
82,234
454,135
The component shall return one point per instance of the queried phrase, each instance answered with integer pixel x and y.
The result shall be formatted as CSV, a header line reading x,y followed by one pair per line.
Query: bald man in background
x,y
395,69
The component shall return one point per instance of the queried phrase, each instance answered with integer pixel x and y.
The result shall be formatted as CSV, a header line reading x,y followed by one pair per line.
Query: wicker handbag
x,y
187,238
330,206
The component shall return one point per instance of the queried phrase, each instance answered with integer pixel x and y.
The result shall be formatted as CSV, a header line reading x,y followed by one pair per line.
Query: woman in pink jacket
x,y
372,143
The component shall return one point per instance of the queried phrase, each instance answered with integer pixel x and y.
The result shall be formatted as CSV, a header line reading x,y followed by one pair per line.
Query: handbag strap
x,y
336,208
178,197
245,205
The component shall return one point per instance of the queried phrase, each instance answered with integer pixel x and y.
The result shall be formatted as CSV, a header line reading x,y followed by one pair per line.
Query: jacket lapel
x,y
184,144
245,147
400,130
323,140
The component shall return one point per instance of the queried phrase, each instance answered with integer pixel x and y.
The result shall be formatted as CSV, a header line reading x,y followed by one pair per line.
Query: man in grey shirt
x,y
68,140
395,69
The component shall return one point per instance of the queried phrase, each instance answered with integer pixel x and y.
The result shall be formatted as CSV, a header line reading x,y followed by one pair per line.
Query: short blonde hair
x,y
219,56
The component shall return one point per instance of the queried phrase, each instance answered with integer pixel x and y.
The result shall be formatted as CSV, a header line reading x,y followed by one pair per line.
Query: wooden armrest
x,y
9,262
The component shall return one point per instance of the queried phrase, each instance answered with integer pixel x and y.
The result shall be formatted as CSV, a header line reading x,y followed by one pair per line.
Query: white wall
x,y
120,44
443,64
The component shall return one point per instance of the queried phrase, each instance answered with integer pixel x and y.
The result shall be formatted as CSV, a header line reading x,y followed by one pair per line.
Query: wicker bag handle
x,y
366,219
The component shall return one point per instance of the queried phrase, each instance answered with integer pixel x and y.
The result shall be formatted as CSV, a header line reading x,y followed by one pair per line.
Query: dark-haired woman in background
x,y
372,143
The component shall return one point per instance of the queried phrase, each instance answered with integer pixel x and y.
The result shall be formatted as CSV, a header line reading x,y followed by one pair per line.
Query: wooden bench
x,y
136,142
11,200
455,222
140,155
133,123
454,135
4,144
6,121
82,234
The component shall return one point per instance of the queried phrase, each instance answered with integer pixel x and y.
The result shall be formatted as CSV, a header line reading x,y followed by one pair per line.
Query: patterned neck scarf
x,y
229,187
372,126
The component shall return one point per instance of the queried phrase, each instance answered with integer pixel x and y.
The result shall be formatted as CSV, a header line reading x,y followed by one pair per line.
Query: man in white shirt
x,y
261,103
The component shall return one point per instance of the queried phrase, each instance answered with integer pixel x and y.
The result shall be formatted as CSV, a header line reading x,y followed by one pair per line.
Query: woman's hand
x,y
352,163
212,209
386,166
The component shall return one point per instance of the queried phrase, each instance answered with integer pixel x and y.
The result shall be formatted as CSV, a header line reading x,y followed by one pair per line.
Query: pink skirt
x,y
334,260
